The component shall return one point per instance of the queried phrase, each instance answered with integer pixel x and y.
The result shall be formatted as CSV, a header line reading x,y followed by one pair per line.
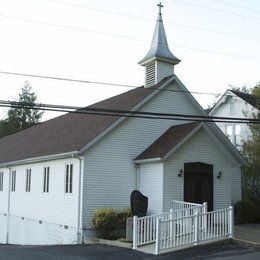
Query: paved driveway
x,y
224,250
248,232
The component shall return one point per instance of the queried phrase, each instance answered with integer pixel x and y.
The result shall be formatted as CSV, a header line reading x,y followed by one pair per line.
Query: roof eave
x,y
148,160
73,154
145,62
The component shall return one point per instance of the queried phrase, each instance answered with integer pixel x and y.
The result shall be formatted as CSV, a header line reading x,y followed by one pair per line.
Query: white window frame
x,y
1,181
46,179
13,181
69,178
28,179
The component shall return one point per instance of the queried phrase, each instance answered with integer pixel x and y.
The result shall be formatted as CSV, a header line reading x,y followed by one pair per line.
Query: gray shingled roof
x,y
167,141
69,132
249,98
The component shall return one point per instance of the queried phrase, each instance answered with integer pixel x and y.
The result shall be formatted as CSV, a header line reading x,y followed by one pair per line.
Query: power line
x,y
126,113
108,84
217,10
126,37
235,5
152,20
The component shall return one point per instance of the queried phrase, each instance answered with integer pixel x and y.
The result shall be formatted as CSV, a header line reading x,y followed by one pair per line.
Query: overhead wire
x,y
216,10
126,113
235,5
127,37
109,83
152,20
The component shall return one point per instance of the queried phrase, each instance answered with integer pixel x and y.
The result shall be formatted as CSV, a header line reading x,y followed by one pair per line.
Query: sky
x,y
217,40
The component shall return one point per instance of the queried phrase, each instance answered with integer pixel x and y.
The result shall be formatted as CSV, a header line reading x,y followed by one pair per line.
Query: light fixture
x,y
180,173
219,175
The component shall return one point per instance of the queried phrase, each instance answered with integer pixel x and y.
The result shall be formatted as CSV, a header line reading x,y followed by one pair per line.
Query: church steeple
x,y
159,61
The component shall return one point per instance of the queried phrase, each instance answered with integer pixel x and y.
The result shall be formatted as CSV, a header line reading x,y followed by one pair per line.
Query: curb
x,y
246,242
108,242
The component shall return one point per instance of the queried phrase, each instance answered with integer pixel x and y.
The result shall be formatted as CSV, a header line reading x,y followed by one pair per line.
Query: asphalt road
x,y
224,250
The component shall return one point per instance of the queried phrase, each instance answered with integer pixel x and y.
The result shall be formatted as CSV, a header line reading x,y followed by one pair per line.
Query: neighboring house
x,y
235,104
56,174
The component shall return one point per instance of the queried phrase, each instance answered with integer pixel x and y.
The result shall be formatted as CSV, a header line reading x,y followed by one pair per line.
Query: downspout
x,y
137,176
8,205
80,194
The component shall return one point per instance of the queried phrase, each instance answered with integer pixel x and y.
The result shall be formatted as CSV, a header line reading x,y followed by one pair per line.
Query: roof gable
x,y
249,98
167,141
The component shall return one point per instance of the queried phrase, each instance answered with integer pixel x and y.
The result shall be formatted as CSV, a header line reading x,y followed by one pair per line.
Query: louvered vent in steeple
x,y
150,75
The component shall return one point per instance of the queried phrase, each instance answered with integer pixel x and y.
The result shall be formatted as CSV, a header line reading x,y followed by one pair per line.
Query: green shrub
x,y
107,221
104,222
122,216
244,212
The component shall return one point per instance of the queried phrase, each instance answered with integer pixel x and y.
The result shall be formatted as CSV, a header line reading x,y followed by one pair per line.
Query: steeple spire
x,y
158,55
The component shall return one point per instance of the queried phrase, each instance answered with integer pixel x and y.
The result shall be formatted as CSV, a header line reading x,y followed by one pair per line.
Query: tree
x,y
251,152
19,118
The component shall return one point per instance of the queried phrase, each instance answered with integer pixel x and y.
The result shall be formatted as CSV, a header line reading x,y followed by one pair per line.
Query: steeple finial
x,y
160,7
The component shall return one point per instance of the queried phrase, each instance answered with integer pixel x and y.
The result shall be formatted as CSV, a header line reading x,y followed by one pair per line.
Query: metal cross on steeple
x,y
160,7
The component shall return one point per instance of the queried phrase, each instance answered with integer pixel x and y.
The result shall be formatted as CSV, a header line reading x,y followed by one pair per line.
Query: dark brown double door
x,y
198,183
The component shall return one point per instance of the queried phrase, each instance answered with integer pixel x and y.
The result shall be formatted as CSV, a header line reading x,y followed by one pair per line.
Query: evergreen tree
x,y
19,118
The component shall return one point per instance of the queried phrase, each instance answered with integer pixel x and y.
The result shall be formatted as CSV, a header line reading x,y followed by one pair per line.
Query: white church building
x,y
54,175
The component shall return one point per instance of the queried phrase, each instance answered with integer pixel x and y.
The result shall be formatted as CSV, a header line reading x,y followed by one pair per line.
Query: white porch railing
x,y
180,205
144,228
179,232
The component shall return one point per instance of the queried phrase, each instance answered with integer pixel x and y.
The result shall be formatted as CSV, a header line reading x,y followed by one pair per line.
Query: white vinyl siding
x,y
163,70
53,208
69,178
28,180
1,181
199,148
13,181
46,179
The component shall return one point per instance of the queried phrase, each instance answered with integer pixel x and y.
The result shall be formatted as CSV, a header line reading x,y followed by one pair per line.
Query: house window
x,y
13,180
229,132
46,179
69,178
28,180
1,181
238,135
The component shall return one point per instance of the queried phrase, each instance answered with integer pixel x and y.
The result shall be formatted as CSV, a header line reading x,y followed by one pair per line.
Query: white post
x,y
171,223
205,207
196,228
158,236
204,219
231,221
135,232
